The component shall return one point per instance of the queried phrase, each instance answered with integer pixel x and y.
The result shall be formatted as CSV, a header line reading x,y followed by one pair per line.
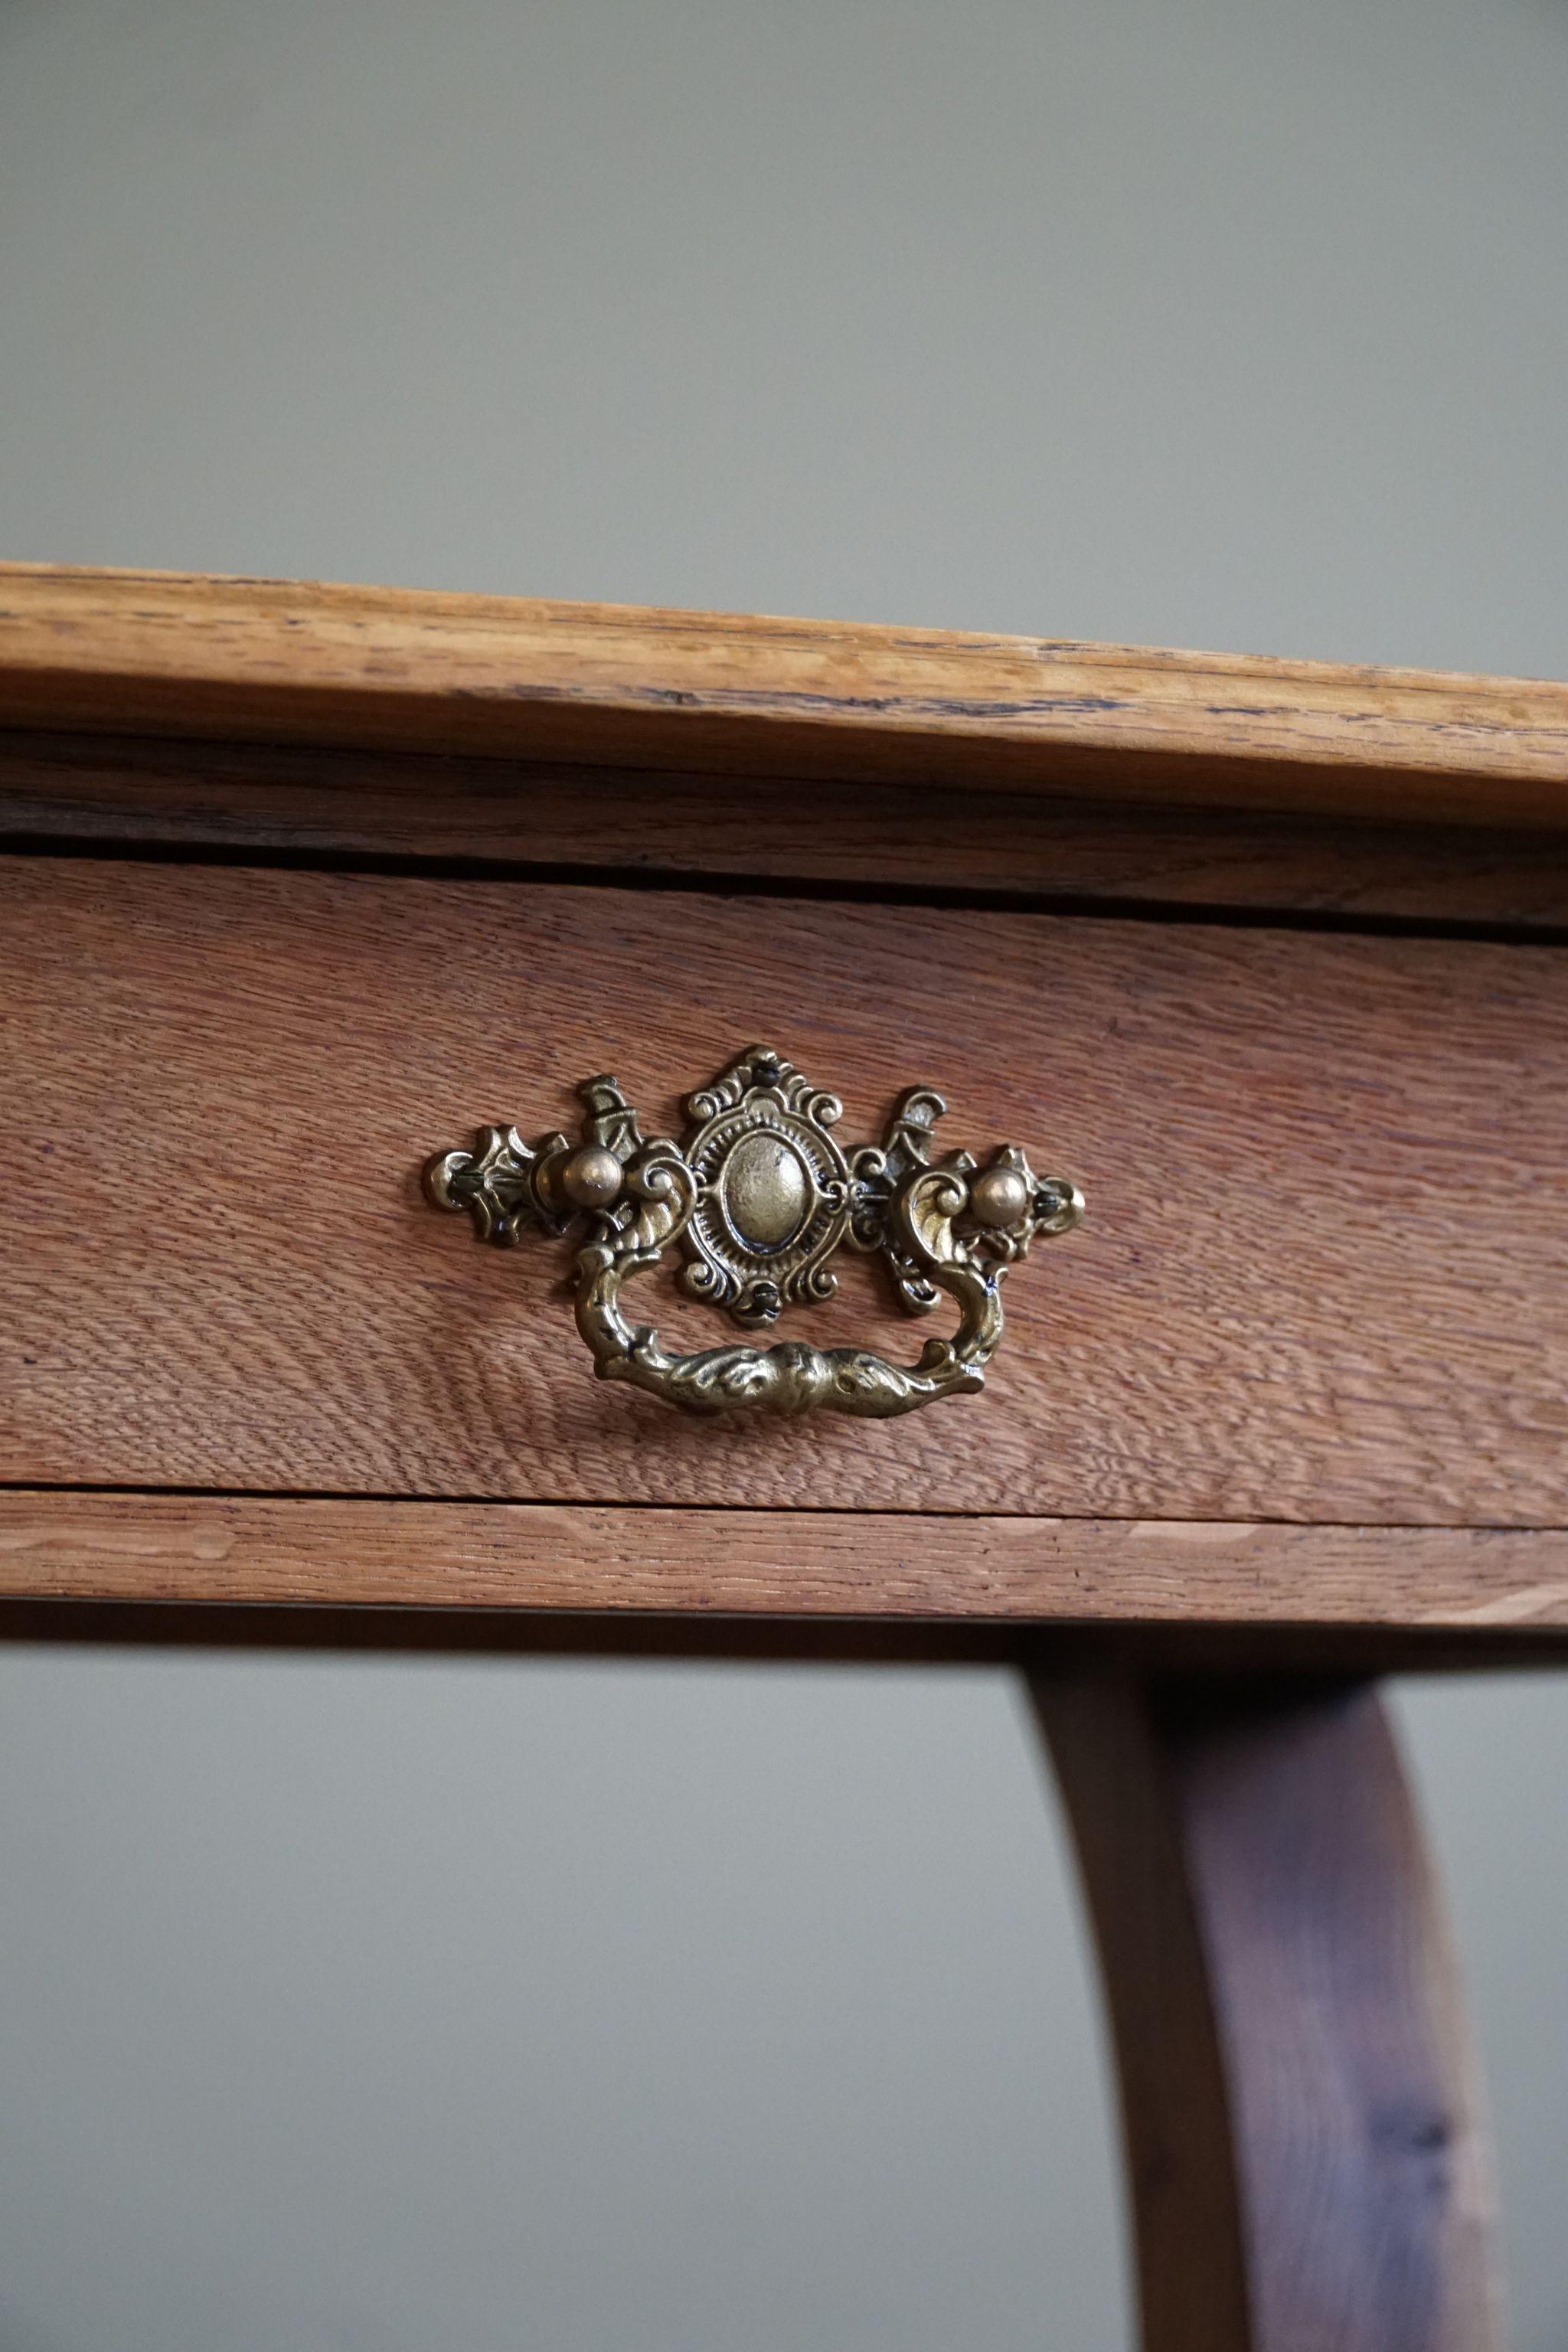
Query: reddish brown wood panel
x,y
296,662
1306,2163
826,1565
151,790
1324,1273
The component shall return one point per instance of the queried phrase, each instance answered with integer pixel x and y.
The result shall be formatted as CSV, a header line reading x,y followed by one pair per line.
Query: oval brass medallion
x,y
767,1191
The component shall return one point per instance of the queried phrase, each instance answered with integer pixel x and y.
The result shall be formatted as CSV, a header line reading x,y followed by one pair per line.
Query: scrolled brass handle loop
x,y
759,1196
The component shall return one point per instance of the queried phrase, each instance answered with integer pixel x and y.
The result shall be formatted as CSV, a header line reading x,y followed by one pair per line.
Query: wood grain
x,y
229,796
794,1565
297,661
1307,2161
1324,1273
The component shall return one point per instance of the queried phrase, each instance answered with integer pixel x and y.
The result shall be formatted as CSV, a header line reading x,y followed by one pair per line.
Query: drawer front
x,y
1324,1273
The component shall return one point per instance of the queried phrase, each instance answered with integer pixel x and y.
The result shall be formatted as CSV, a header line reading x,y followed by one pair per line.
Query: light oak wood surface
x,y
1323,1276
287,661
906,1565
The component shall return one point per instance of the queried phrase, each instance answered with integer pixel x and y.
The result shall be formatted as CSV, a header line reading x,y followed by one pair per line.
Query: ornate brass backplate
x,y
758,1196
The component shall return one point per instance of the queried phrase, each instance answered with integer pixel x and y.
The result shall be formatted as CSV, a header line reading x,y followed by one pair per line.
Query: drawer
x,y
1324,1273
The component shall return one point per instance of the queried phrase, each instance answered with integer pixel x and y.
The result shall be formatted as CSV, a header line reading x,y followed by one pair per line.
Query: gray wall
x,y
351,2005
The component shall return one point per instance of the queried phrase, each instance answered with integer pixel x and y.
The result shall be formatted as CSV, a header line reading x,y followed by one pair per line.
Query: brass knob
x,y
999,1196
759,1195
591,1177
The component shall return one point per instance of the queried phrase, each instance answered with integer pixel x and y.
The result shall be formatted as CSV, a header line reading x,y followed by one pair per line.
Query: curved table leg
x,y
1308,2168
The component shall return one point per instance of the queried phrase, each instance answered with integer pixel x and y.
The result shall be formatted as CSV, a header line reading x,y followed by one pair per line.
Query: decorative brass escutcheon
x,y
759,1195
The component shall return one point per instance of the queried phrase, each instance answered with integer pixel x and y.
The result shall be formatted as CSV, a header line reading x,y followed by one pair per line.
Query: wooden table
x,y
304,884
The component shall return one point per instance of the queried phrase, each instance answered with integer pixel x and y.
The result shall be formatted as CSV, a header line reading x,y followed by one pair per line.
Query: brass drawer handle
x,y
759,1195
